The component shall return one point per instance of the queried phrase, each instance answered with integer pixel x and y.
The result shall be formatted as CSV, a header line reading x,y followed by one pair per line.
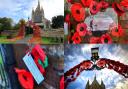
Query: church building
x,y
38,17
95,85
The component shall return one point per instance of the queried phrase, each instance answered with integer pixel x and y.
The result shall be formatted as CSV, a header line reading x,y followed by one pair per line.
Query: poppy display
x,y
81,29
106,39
86,3
76,38
118,9
94,7
78,12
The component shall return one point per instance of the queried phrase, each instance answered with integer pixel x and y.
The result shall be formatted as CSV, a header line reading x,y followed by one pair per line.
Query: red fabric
x,y
62,82
78,12
106,39
94,7
76,38
25,78
86,3
81,29
118,9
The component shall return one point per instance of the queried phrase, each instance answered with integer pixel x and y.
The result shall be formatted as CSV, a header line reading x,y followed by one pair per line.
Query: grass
x,y
45,40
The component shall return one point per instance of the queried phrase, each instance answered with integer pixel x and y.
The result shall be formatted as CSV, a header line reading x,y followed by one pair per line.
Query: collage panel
x,y
31,67
96,66
32,21
95,21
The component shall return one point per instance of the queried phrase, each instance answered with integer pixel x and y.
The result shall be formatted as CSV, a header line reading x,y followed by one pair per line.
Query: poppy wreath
x,y
79,10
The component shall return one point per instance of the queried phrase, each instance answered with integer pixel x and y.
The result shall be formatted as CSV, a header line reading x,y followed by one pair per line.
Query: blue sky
x,y
74,54
18,9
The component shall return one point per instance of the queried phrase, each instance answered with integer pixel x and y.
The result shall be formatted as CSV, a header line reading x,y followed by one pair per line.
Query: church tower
x,y
95,85
38,17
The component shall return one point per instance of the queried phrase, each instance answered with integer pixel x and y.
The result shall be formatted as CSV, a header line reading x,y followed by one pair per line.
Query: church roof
x,y
95,84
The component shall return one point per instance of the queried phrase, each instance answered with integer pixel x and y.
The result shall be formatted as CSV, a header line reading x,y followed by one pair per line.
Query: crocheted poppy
x,y
86,3
118,9
81,29
25,78
76,38
106,39
78,12
104,5
94,7
118,32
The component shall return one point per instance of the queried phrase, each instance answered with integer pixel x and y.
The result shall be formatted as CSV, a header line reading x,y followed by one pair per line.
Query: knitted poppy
x,y
78,12
94,7
94,40
118,9
101,63
104,5
117,31
25,78
86,3
87,65
106,39
124,3
76,38
81,29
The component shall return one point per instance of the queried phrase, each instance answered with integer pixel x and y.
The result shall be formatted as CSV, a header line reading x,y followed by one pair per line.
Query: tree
x,y
17,26
5,24
58,21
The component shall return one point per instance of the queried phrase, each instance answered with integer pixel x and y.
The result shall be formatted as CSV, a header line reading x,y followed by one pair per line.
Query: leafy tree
x,y
58,21
5,23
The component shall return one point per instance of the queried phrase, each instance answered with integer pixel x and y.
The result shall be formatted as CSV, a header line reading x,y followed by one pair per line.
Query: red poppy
x,y
81,29
101,63
94,40
104,4
124,3
117,31
94,7
67,18
86,3
76,38
118,9
106,39
25,78
78,12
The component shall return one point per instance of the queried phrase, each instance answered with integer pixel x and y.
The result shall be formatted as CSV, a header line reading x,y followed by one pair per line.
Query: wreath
x,y
79,10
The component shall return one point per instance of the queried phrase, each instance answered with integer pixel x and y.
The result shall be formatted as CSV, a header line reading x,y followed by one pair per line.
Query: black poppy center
x,y
94,7
81,29
117,30
77,38
78,11
106,40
